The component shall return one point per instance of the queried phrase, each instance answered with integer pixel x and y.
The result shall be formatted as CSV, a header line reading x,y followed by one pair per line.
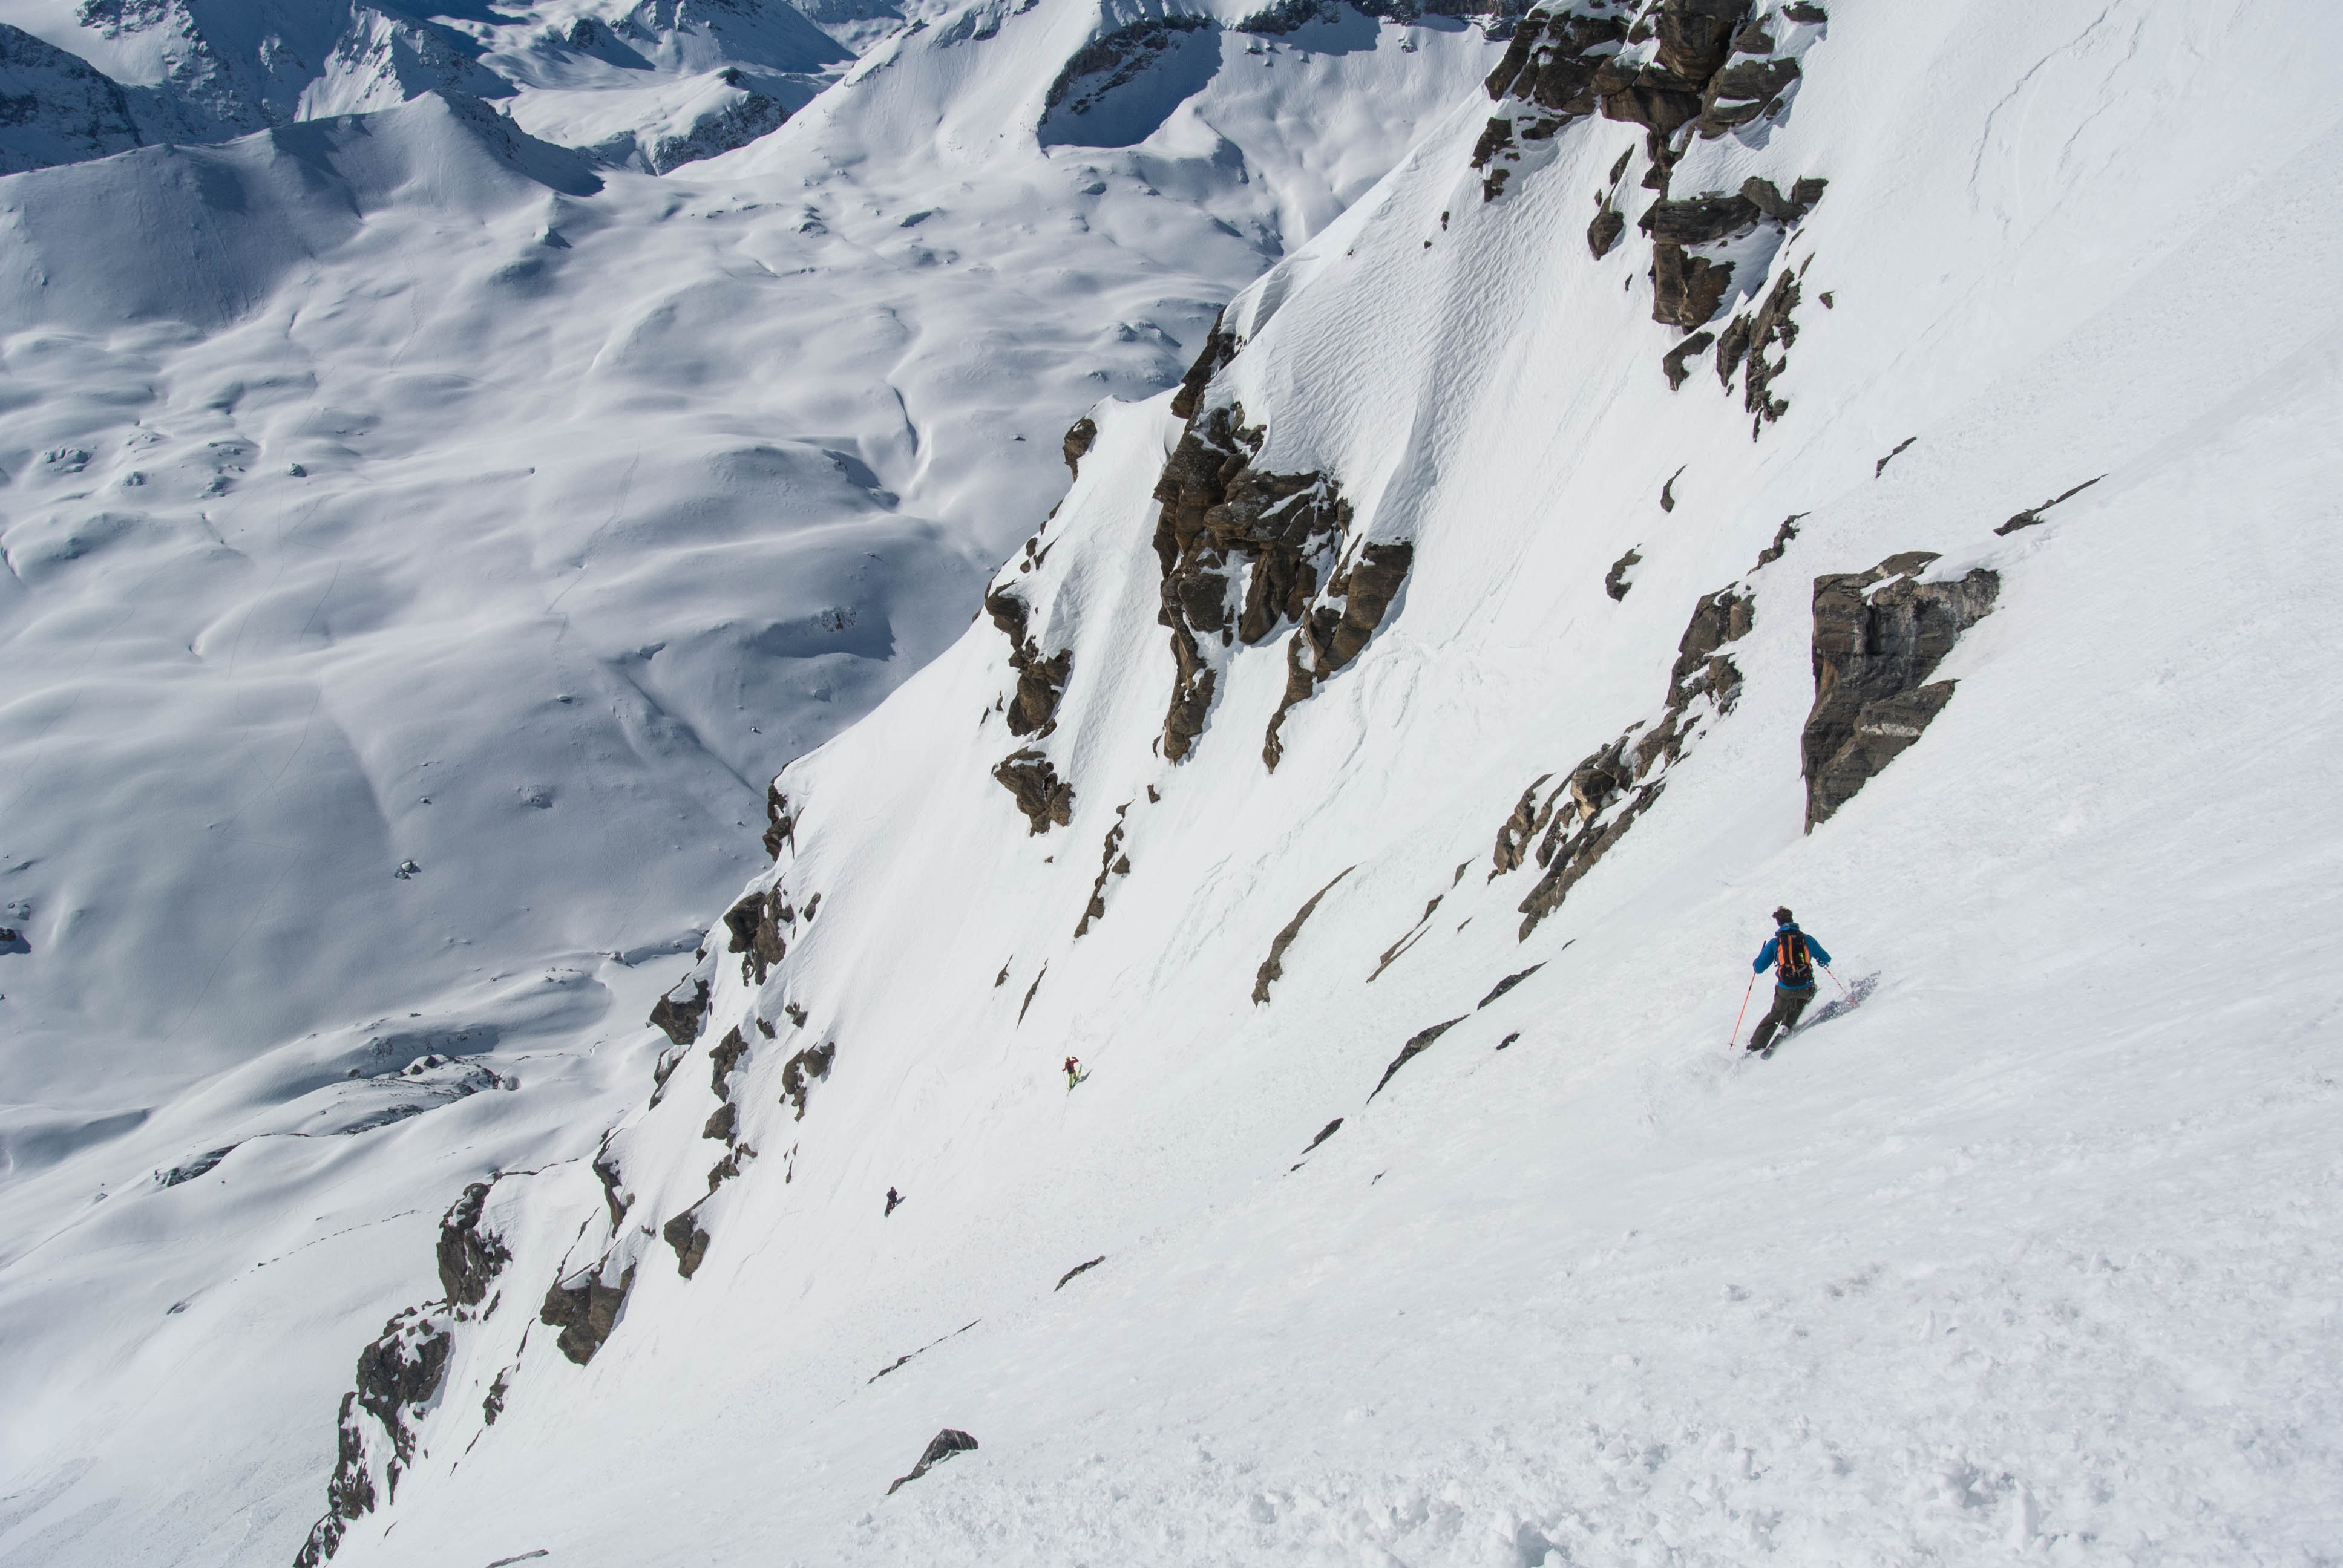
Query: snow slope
x,y
424,543
2030,1253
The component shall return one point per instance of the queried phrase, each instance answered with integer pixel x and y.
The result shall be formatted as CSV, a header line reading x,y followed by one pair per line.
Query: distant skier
x,y
893,1198
1792,955
1073,1072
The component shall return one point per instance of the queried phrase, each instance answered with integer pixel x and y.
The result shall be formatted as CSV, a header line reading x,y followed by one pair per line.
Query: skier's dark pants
x,y
1787,1005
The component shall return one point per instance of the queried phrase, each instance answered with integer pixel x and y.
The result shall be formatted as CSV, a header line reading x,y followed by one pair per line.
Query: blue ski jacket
x,y
1765,956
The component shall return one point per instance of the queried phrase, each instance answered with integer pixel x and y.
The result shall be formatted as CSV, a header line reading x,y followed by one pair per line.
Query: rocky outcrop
x,y
723,1058
1221,345
1041,682
760,926
1330,637
945,1443
804,1070
1113,60
469,1257
1272,968
1750,340
1506,984
1078,1268
401,1369
1591,809
679,1012
1416,1046
401,1373
584,1309
2033,514
1513,835
349,1495
688,1238
781,826
1078,439
1046,800
1878,635
1112,862
1219,517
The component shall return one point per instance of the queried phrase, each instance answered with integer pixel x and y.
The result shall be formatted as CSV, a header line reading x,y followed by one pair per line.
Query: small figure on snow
x,y
893,1198
1073,1072
1792,955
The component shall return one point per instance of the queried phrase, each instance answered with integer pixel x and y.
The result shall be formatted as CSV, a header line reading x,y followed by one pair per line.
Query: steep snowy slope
x,y
423,546
1416,1208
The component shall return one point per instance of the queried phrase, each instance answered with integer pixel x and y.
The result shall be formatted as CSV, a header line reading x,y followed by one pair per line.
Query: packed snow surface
x,y
618,494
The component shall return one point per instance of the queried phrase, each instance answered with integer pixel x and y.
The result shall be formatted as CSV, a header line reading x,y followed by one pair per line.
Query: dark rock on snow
x,y
1873,650
1077,1268
1044,797
469,1257
688,1238
1416,1046
585,1310
1272,968
946,1444
678,1013
1614,581
1078,439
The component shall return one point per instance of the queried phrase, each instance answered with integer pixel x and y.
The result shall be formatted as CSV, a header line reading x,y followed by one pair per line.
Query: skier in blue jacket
x,y
1792,955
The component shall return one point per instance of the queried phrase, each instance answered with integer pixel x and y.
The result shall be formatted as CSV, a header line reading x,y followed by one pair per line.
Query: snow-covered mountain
x,y
1655,461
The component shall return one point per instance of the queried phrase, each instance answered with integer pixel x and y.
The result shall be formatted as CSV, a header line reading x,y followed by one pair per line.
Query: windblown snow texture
x,y
2029,1255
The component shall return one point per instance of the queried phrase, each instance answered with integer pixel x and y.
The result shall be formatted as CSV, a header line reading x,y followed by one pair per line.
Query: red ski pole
x,y
1744,1011
1836,982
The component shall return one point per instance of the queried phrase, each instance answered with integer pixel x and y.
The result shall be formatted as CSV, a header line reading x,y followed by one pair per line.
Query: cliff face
x,y
1378,771
1414,1188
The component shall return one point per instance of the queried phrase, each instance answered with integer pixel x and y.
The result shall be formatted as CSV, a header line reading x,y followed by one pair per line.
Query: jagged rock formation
x,y
677,1014
1068,1277
1506,984
402,1370
1112,862
469,1257
54,108
1513,835
2033,514
945,1443
1681,68
1041,682
1748,338
804,1070
1874,647
757,924
1079,437
585,1308
781,826
1272,968
1614,581
1367,582
1220,516
1417,1044
688,1238
1600,799
1046,800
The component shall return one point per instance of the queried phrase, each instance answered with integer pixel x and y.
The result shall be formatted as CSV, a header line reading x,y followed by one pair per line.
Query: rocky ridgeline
x,y
1578,821
1680,69
401,1374
1286,535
